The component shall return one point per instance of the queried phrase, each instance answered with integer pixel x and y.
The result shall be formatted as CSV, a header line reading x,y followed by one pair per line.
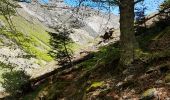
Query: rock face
x,y
87,23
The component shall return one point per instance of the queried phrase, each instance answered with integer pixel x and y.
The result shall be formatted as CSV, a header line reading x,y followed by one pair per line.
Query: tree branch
x,y
138,1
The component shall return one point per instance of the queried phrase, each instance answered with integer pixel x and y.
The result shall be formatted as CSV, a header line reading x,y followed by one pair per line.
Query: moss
x,y
141,55
95,85
34,29
148,94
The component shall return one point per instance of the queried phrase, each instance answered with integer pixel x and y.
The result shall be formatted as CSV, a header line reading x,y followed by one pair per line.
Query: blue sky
x,y
44,1
152,5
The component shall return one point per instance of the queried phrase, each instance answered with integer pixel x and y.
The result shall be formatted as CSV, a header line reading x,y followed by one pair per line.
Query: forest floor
x,y
148,78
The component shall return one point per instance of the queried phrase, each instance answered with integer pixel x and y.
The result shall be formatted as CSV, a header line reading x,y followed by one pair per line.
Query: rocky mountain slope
x,y
87,23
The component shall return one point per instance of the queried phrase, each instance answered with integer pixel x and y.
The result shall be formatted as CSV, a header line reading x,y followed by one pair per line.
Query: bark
x,y
127,38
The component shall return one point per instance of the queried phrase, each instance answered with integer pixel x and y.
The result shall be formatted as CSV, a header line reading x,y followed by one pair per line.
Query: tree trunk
x,y
127,38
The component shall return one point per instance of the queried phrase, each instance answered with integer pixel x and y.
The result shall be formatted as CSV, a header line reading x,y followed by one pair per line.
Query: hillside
x,y
28,48
52,51
146,79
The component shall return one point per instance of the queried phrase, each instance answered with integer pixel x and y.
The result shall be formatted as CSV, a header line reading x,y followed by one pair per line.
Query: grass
x,y
39,37
103,56
32,37
28,45
35,29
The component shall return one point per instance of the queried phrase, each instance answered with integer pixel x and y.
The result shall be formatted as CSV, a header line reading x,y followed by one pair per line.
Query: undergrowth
x,y
105,55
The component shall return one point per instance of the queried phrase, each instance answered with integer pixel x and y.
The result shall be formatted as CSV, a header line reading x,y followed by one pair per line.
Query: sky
x,y
152,5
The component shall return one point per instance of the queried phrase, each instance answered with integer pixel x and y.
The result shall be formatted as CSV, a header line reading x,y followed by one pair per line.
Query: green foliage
x,y
105,55
149,57
7,8
60,42
34,30
3,69
13,81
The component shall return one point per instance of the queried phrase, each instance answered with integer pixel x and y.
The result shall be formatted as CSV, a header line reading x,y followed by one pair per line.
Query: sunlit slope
x,y
35,32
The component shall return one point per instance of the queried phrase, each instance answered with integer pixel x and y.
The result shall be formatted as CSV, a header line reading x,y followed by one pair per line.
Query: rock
x,y
87,24
133,91
126,98
96,93
125,71
159,82
128,78
119,84
168,83
150,70
167,78
149,94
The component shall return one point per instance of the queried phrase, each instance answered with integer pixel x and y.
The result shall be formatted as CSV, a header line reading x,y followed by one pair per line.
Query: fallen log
x,y
61,70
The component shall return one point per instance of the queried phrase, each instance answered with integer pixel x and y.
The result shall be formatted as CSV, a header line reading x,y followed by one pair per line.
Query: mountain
x,y
87,23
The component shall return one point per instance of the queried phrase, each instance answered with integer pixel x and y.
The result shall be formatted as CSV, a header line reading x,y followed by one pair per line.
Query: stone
x,y
119,84
168,83
128,78
125,71
150,70
159,82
